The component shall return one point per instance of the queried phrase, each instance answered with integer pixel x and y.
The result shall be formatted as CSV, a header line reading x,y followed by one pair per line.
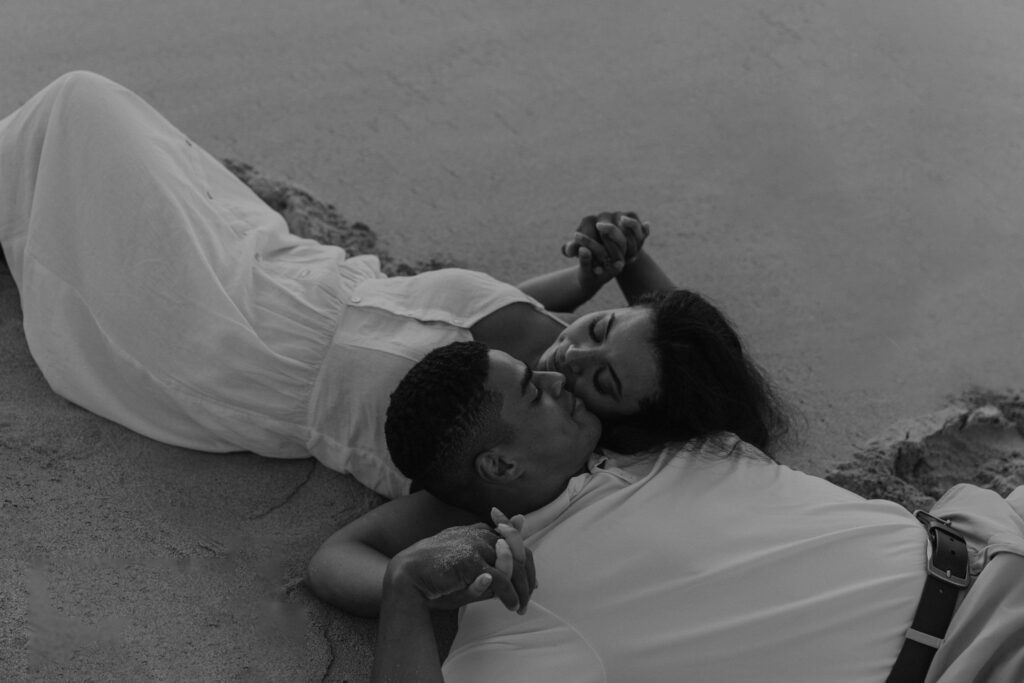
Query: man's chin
x,y
592,428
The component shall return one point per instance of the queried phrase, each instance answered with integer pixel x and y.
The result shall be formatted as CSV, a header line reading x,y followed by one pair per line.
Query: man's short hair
x,y
441,417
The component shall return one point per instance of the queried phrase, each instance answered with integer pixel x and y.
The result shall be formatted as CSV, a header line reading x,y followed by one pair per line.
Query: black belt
x,y
947,576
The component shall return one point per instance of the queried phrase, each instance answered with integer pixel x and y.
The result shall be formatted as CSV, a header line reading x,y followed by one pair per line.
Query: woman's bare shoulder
x,y
520,330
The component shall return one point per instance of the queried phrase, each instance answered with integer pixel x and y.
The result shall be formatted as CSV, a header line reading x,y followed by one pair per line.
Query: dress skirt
x,y
158,290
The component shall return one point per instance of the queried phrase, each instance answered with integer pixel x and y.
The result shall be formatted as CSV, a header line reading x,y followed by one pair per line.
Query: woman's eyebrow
x,y
611,370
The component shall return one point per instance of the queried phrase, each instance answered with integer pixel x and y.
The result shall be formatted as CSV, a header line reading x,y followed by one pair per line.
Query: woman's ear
x,y
494,466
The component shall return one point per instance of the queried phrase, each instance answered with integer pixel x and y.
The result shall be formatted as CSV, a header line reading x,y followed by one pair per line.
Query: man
x,y
704,562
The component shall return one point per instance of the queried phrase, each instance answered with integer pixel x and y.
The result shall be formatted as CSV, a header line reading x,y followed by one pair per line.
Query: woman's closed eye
x,y
601,328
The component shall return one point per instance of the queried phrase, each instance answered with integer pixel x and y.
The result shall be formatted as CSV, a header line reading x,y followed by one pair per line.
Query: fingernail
x,y
505,528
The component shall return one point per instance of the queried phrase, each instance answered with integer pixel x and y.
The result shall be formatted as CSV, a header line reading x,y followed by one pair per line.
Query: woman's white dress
x,y
160,292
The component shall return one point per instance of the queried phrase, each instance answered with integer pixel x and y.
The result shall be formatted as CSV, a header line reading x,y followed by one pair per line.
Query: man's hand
x,y
465,564
457,566
605,245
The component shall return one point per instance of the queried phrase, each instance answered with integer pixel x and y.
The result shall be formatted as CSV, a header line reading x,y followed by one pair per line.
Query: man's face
x,y
553,432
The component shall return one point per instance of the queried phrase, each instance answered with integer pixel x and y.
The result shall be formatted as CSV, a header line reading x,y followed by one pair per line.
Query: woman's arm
x,y
643,276
560,291
606,246
348,569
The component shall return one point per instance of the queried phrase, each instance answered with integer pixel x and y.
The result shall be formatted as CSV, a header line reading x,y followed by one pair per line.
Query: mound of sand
x,y
320,221
979,440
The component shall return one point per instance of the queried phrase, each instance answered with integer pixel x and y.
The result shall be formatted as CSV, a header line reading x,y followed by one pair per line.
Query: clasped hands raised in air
x,y
604,245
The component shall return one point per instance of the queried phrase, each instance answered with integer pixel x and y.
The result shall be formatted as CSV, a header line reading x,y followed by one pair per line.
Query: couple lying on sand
x,y
627,447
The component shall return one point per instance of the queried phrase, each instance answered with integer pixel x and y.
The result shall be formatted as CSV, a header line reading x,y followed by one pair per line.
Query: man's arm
x,y
464,564
348,570
406,647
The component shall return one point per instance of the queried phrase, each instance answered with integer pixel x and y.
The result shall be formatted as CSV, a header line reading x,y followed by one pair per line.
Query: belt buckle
x,y
948,551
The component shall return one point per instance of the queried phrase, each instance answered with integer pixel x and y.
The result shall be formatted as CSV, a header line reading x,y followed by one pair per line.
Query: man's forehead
x,y
504,373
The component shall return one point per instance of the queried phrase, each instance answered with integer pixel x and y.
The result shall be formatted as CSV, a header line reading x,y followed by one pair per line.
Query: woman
x,y
158,291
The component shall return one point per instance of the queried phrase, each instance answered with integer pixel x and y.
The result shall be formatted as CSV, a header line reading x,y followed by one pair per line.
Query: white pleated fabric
x,y
160,292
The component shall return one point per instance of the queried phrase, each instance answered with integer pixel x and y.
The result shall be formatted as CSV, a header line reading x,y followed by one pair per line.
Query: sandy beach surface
x,y
843,178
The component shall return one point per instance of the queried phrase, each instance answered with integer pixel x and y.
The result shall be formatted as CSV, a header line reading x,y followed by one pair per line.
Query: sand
x,y
135,565
843,178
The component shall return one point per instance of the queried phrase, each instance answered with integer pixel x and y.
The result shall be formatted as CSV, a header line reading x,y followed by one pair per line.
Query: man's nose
x,y
551,382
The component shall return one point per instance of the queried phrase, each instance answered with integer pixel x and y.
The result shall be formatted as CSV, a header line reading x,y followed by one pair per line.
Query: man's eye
x,y
593,331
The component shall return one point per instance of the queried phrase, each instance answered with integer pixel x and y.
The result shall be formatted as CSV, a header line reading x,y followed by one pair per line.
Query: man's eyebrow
x,y
525,381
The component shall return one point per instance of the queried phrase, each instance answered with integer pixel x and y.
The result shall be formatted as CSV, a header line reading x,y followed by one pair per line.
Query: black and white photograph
x,y
366,341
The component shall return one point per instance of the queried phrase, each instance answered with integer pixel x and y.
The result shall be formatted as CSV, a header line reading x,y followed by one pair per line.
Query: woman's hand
x,y
605,245
466,564
514,559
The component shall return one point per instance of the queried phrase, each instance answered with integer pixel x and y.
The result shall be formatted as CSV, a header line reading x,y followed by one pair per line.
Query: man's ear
x,y
495,466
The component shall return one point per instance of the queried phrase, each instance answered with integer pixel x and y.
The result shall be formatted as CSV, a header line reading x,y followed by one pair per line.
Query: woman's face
x,y
608,360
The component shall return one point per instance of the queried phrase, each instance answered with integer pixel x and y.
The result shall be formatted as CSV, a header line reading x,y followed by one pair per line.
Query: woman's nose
x,y
580,356
551,382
